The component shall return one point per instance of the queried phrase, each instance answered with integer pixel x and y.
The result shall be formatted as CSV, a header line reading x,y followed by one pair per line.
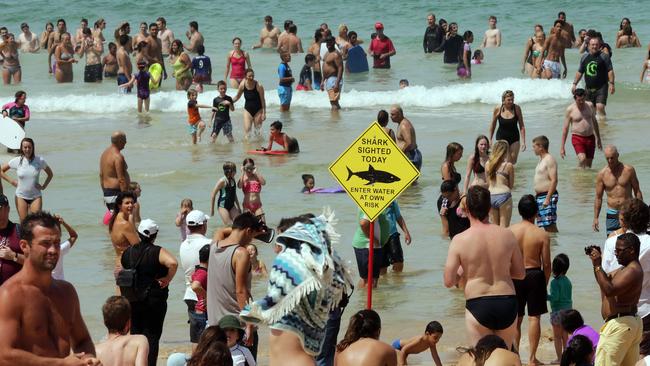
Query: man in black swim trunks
x,y
486,259
599,72
535,247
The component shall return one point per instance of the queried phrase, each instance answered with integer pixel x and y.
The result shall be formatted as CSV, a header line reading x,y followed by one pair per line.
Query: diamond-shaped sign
x,y
374,171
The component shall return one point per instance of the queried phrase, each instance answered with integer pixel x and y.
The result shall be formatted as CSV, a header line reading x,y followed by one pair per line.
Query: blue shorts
x,y
122,79
611,222
546,216
415,156
192,129
285,93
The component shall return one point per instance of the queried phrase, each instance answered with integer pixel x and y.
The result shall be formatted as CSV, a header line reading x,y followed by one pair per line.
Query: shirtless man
x,y
620,183
332,73
119,347
79,34
154,49
545,183
268,35
40,318
165,35
290,43
28,41
406,136
534,244
53,42
124,29
109,62
570,38
124,66
93,48
285,32
113,171
142,36
552,53
492,37
581,117
194,36
620,292
486,258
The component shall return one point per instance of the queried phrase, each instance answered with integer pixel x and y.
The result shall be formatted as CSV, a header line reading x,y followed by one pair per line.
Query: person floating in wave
x,y
282,140
309,183
404,83
141,79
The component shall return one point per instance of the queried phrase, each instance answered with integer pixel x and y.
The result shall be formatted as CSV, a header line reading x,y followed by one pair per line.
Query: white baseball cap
x,y
196,218
148,227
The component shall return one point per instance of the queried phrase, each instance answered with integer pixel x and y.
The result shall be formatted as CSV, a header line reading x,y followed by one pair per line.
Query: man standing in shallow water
x,y
581,117
268,35
545,183
476,255
620,183
40,318
332,73
406,136
113,175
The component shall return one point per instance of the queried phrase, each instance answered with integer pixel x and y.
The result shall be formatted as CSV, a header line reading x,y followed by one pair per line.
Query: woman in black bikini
x,y
476,164
448,172
255,106
511,124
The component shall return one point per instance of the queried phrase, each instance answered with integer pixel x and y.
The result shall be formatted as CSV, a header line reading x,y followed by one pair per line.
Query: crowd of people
x,y
309,285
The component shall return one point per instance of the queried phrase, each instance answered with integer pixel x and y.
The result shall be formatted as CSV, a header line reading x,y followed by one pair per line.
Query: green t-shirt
x,y
560,295
382,231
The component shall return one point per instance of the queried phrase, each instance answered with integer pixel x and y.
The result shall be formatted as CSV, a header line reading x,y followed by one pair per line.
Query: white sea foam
x,y
525,90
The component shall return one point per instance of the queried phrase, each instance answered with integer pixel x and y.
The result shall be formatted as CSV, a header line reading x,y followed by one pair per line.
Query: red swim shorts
x,y
584,145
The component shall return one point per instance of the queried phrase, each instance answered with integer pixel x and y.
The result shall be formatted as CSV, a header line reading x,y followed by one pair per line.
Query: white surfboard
x,y
11,133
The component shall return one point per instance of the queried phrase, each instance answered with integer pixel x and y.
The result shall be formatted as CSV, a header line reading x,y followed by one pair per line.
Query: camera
x,y
268,234
589,248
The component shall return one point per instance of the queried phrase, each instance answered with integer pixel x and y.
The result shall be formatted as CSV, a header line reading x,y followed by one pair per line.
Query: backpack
x,y
127,280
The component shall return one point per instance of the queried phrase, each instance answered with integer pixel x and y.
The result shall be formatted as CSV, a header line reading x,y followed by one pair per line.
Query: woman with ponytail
x,y
490,350
361,344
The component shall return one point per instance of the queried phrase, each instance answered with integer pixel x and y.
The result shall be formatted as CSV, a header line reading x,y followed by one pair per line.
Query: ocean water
x,y
72,123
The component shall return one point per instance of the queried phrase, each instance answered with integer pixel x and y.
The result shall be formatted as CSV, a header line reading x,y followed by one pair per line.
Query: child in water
x,y
560,298
251,183
286,142
465,66
141,79
477,59
186,207
404,83
227,204
421,343
305,82
196,126
222,105
309,182
258,268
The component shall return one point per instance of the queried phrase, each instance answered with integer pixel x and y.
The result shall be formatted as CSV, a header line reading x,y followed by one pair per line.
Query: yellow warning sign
x,y
374,171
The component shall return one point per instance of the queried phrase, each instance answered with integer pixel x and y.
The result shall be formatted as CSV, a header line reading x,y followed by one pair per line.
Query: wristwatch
x,y
597,269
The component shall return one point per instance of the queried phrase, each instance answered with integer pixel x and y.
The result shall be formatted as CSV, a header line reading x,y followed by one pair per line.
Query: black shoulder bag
x,y
127,280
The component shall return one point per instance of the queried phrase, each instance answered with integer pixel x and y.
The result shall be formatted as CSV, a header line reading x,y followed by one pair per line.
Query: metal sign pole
x,y
371,252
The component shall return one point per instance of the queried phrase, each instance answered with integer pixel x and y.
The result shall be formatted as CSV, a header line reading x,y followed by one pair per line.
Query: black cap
x,y
3,200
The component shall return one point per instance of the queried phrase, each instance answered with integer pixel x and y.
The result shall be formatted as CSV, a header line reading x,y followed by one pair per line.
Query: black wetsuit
x,y
433,36
453,48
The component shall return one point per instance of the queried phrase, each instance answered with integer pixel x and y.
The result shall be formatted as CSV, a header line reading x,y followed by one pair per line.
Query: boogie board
x,y
357,61
11,133
267,152
326,190
156,74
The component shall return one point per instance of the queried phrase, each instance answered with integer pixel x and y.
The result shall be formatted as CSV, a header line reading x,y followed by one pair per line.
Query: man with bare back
x,y
120,348
290,43
194,37
268,35
124,66
405,136
581,117
535,246
620,183
486,258
40,317
113,171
